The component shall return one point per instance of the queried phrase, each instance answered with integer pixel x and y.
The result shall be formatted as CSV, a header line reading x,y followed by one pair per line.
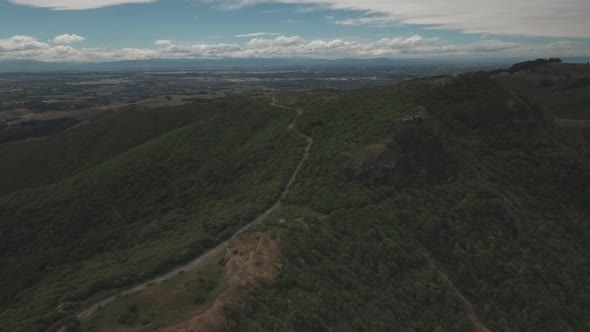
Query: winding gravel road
x,y
207,256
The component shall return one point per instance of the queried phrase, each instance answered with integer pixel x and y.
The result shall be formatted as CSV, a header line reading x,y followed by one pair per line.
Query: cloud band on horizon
x,y
29,48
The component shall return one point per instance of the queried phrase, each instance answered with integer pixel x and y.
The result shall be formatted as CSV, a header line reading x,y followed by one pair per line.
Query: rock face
x,y
416,155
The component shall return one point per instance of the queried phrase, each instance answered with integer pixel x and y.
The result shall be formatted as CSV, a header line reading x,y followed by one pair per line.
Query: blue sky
x,y
103,30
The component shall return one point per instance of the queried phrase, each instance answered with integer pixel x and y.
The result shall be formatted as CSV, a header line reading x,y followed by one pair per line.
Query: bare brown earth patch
x,y
251,259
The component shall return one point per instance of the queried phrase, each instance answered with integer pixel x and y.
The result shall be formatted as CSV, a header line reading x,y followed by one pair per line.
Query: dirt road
x,y
207,256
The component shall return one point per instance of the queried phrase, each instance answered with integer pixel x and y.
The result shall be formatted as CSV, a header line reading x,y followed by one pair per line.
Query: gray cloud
x,y
549,18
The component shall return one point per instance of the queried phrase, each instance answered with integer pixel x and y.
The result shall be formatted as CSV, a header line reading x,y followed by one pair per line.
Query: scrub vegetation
x,y
441,204
455,204
145,198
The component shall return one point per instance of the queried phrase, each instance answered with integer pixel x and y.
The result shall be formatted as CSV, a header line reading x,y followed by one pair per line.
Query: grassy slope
x,y
482,182
36,163
164,304
140,212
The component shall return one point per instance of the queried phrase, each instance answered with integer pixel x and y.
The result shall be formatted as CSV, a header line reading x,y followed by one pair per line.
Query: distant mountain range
x,y
234,63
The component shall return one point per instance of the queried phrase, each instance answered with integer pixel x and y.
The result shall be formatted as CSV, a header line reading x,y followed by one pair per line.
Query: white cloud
x,y
75,4
67,39
20,44
281,41
163,42
257,34
550,18
387,47
416,46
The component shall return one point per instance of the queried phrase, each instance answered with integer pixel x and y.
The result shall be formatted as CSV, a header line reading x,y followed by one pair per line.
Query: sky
x,y
112,30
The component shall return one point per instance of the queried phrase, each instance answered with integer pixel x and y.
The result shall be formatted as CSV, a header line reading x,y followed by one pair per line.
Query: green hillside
x,y
462,177
41,162
126,214
442,204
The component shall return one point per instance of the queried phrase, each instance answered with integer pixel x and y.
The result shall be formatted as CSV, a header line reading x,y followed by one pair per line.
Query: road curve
x,y
213,252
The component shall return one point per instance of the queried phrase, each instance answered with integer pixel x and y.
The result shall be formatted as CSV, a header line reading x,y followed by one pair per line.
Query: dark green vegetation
x,y
472,178
467,174
531,64
129,317
34,129
561,89
52,159
106,205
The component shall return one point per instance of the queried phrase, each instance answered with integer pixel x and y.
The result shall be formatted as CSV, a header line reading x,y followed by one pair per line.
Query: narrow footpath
x,y
478,325
213,252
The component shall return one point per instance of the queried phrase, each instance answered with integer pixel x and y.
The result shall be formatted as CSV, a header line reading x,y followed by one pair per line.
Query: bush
x,y
130,316
530,64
